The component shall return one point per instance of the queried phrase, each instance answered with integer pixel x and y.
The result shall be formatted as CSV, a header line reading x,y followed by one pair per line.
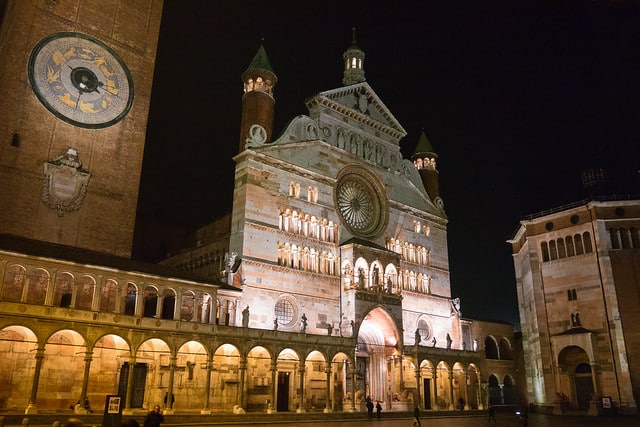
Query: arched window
x,y
625,238
553,250
495,395
424,330
63,290
490,348
13,283
586,237
38,284
84,294
150,301
188,308
130,299
569,242
544,248
635,240
505,349
169,304
109,296
577,239
561,252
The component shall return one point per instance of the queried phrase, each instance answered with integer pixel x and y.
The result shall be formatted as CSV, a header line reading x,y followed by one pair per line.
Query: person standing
x,y
154,418
378,409
369,407
492,414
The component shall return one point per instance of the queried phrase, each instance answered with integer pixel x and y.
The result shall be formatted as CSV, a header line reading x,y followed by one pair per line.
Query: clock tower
x,y
74,101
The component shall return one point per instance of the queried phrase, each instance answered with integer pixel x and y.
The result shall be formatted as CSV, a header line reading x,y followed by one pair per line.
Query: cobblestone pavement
x,y
502,420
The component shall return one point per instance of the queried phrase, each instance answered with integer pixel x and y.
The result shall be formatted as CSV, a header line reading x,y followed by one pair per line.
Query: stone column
x,y
435,389
50,293
593,402
401,375
480,400
301,394
327,406
177,307
74,295
85,379
452,406
466,392
97,293
31,407
594,379
26,284
417,373
159,303
172,369
242,371
207,385
353,380
127,398
274,373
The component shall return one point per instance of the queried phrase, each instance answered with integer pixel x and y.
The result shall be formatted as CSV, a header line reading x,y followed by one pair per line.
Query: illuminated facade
x,y
328,283
577,279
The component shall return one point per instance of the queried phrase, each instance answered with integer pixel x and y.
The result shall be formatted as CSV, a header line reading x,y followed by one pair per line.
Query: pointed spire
x,y
424,159
259,75
353,63
261,60
424,146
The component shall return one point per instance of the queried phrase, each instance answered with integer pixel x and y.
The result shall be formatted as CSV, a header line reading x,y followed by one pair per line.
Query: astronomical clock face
x,y
80,80
359,202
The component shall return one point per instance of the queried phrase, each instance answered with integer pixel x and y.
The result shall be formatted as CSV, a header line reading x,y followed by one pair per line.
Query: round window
x,y
285,312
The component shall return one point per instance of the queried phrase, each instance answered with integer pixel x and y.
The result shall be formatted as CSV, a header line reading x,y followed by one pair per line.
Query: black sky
x,y
517,98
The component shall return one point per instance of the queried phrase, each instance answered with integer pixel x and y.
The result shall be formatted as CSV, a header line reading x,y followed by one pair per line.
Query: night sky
x,y
516,97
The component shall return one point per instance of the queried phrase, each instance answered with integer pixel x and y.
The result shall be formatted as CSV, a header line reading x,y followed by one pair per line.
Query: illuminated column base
x,y
205,411
168,411
31,409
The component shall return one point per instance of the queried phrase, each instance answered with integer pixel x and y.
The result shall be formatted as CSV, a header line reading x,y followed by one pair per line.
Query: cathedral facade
x,y
328,283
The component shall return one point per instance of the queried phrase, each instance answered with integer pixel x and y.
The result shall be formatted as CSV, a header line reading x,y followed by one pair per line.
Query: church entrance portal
x,y
377,342
283,392
577,378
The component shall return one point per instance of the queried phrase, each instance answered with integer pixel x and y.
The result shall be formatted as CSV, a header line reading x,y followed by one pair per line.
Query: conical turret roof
x,y
261,60
424,146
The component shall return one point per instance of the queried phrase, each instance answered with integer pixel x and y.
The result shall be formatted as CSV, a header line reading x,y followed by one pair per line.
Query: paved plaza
x,y
478,419
502,420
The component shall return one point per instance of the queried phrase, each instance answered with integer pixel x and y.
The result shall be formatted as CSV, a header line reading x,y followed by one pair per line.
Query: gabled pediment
x,y
359,102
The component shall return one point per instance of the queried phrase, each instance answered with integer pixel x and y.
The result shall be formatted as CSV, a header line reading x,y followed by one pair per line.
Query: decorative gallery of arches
x,y
52,366
69,334
448,380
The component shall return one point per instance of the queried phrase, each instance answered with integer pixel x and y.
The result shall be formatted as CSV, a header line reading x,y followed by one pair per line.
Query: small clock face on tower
x,y
80,80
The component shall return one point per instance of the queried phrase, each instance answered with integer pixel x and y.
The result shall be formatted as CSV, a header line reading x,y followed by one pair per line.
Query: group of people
x,y
153,419
369,404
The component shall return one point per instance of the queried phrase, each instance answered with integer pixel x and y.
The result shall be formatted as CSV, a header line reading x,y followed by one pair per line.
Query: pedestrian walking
x,y
154,418
416,415
492,414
